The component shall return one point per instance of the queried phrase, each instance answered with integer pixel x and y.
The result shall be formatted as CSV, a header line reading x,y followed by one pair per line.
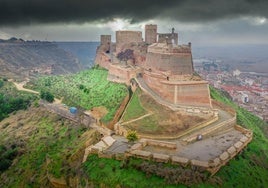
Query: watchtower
x,y
150,34
106,40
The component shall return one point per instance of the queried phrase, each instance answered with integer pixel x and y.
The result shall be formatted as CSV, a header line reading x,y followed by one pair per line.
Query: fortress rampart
x,y
191,93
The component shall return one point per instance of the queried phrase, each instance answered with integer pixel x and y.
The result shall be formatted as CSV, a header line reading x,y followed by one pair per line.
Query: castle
x,y
164,70
157,62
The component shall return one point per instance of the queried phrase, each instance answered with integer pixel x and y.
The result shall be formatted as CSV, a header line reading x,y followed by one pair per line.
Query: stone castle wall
x,y
102,59
106,39
177,63
191,93
126,37
168,37
120,74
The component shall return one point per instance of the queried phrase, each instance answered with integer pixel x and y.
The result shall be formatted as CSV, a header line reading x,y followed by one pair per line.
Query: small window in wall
x,y
150,70
168,78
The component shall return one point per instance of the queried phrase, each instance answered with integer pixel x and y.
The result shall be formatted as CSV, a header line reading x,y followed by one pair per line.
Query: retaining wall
x,y
121,130
212,165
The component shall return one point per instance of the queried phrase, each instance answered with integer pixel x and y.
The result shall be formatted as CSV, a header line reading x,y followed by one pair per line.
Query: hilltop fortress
x,y
157,62
184,126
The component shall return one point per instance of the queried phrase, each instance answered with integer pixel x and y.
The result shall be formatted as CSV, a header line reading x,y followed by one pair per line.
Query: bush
x,y
132,136
47,96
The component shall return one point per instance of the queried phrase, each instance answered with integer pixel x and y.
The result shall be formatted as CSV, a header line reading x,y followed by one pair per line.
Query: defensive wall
x,y
176,60
212,165
137,150
120,74
170,37
59,109
191,93
103,59
106,40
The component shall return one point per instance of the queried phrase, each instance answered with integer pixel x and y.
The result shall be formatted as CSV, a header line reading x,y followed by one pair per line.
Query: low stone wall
x,y
223,107
60,111
158,143
232,151
82,118
119,112
219,127
121,130
212,165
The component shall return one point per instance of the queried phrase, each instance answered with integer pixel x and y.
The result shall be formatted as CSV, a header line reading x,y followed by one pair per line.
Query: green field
x,y
86,89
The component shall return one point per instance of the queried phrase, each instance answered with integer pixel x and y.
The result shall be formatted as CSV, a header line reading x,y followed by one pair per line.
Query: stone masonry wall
x,y
192,94
126,37
179,64
120,75
150,34
172,37
103,60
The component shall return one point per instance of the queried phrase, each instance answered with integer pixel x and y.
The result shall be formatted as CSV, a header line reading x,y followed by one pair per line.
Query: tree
x,y
126,55
46,95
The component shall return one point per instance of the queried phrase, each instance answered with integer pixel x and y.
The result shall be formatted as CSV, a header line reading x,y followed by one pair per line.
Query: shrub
x,y
132,136
47,96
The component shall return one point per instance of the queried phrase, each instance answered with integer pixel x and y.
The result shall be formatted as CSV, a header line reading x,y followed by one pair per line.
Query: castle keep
x,y
158,62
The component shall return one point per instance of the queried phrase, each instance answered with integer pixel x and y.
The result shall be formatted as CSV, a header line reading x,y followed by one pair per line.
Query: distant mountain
x,y
84,51
22,59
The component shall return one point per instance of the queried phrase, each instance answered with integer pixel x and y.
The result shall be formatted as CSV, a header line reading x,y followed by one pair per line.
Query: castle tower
x,y
150,34
105,40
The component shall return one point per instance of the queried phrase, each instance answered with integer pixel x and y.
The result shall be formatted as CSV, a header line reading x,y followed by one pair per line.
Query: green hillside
x,y
86,89
39,148
12,100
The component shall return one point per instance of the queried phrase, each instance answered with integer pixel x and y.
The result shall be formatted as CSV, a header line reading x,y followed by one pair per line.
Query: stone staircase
x,y
102,145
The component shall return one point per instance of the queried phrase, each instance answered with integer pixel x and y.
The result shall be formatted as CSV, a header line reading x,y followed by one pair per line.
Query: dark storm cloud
x,y
14,12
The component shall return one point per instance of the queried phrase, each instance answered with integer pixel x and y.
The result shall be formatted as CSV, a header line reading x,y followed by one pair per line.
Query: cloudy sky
x,y
209,22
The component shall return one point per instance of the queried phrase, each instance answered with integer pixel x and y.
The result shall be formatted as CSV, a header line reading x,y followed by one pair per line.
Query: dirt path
x,y
141,117
20,87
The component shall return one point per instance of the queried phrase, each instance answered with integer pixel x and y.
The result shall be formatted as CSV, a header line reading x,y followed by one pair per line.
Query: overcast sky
x,y
202,22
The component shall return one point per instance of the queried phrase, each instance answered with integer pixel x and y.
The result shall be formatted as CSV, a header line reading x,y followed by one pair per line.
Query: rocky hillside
x,y
22,59
84,51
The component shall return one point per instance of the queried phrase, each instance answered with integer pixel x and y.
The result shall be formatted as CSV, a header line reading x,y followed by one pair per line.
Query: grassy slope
x,y
134,109
86,89
12,100
249,169
48,146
